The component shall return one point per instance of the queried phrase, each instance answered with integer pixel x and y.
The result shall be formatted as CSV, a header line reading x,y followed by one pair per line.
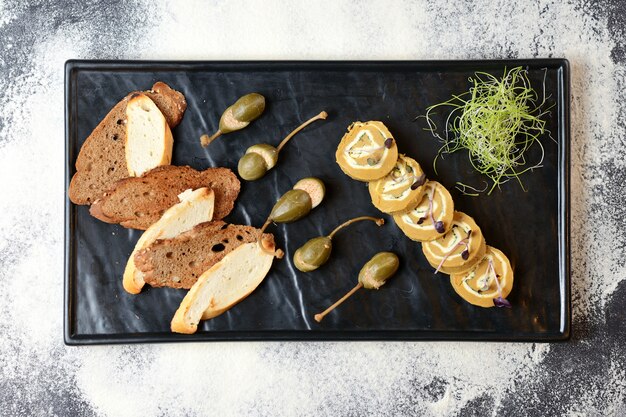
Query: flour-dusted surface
x,y
40,376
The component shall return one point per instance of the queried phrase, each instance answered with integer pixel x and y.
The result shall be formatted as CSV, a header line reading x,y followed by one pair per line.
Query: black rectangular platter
x,y
531,227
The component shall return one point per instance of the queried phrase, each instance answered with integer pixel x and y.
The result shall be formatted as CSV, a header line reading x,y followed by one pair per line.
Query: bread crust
x,y
198,204
179,261
101,160
195,306
138,202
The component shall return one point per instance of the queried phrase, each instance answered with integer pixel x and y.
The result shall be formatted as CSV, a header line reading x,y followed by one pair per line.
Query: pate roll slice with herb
x,y
367,151
401,189
225,284
458,250
432,217
195,207
488,283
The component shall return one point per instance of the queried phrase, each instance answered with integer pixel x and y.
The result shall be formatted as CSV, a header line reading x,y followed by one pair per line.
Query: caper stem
x,y
267,222
379,222
206,139
277,253
320,316
322,115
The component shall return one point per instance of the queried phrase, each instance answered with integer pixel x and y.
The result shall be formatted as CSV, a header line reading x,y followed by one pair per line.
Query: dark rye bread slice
x,y
102,159
138,202
178,262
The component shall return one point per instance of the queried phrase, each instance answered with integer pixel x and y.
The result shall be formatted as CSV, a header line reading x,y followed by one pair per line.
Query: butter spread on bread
x,y
225,284
149,139
138,202
195,207
102,158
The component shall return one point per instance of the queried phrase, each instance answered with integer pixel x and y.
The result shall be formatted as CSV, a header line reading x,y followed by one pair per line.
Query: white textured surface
x,y
40,376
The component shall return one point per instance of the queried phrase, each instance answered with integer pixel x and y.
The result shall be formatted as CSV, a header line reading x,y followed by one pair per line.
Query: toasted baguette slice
x,y
149,139
138,202
228,282
102,158
194,207
179,261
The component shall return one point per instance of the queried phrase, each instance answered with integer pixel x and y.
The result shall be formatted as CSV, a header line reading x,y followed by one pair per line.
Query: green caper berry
x,y
252,166
292,206
248,107
378,270
313,254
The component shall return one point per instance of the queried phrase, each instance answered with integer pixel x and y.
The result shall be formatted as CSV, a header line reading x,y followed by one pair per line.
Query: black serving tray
x,y
532,227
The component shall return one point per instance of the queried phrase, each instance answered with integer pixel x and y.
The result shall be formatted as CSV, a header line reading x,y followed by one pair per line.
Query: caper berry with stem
x,y
260,158
373,275
292,206
315,252
237,116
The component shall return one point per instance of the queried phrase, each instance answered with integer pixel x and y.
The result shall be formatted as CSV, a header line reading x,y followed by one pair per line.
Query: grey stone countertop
x,y
41,376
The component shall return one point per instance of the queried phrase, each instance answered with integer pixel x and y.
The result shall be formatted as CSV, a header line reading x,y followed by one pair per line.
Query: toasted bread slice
x,y
102,158
225,284
179,261
138,202
194,207
149,139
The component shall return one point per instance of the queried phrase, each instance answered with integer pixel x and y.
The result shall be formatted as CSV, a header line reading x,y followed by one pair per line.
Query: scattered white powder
x,y
298,378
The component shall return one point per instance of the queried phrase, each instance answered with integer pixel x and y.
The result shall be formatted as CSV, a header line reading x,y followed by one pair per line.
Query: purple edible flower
x,y
501,302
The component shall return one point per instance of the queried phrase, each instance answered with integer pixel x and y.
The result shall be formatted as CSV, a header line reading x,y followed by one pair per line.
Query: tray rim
x,y
563,154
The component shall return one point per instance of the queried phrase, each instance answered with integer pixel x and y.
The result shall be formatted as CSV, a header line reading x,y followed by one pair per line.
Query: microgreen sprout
x,y
498,121
464,254
499,301
438,225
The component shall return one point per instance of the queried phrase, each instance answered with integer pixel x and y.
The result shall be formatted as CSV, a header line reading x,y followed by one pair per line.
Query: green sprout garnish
x,y
497,121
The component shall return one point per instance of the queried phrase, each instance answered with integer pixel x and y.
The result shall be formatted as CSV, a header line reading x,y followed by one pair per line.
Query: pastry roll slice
x,y
460,249
488,283
367,151
432,217
401,189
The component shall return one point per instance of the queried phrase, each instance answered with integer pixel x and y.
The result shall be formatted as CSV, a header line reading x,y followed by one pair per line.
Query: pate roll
x,y
401,189
367,151
458,250
478,286
436,204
